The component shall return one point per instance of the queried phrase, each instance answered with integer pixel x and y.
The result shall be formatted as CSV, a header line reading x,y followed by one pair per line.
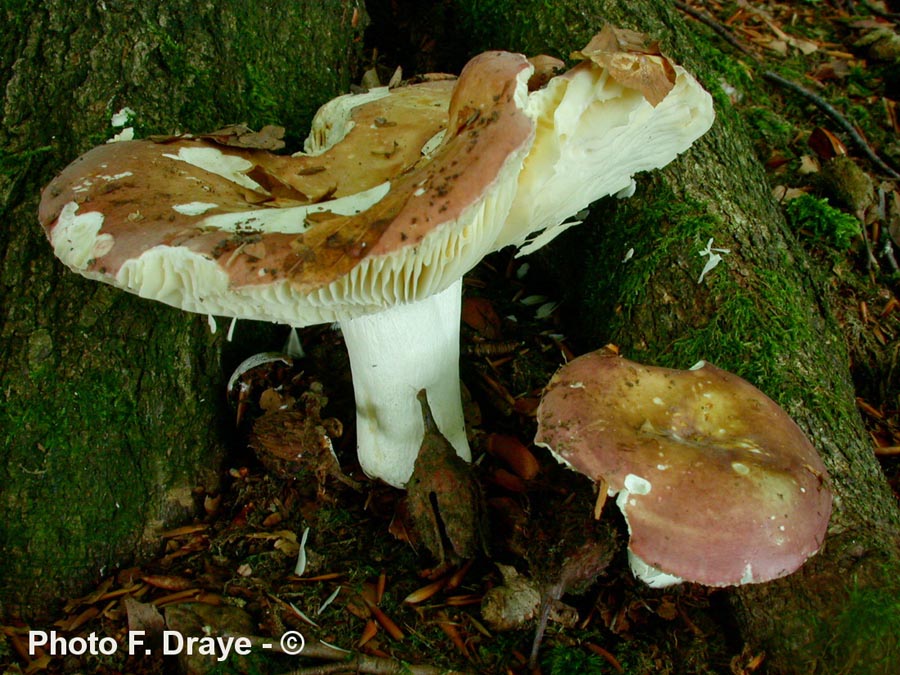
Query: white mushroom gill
x,y
76,239
593,135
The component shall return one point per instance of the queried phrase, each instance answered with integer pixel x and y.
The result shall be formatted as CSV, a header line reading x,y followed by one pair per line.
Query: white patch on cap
x,y
292,220
432,143
76,237
334,120
118,176
637,485
194,208
747,576
697,366
127,134
740,469
658,401
215,161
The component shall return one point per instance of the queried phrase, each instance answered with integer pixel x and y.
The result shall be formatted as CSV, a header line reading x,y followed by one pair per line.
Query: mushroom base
x,y
394,354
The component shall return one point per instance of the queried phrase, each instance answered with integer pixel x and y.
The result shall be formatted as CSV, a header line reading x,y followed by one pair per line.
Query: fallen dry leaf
x,y
632,60
270,137
443,499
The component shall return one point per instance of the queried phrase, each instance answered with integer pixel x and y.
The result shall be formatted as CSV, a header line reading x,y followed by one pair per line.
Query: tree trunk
x,y
763,313
113,406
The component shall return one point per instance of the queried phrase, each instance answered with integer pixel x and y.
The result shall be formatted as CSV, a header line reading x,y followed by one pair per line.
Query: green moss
x,y
541,26
680,225
562,660
772,130
864,637
824,223
746,316
67,463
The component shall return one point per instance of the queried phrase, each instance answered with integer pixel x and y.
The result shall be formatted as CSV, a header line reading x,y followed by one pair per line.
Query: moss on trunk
x,y
113,417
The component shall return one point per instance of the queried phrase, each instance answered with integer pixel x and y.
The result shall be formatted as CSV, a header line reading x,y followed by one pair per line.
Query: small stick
x,y
721,30
836,116
550,595
880,12
817,100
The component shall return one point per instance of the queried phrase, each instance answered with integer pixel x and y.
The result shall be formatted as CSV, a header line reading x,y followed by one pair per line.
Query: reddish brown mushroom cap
x,y
367,223
717,483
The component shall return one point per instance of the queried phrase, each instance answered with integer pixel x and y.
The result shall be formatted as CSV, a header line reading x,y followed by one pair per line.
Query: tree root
x,y
823,105
836,117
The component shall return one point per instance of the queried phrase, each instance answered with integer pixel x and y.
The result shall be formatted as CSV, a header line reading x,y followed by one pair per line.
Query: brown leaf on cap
x,y
276,187
632,61
270,137
545,68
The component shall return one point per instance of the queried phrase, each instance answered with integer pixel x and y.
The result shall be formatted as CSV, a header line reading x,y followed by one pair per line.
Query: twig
x,y
836,116
817,100
721,30
871,260
880,12
887,243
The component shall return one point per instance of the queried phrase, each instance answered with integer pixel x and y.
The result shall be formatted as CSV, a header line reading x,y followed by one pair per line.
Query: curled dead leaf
x,y
270,137
632,60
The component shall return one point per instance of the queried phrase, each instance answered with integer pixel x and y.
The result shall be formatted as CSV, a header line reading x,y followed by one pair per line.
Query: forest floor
x,y
289,547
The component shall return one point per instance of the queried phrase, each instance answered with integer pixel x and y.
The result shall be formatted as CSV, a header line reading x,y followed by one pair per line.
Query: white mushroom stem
x,y
394,354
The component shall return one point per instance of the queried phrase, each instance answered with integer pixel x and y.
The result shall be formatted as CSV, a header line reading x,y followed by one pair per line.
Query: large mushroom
x,y
718,485
398,194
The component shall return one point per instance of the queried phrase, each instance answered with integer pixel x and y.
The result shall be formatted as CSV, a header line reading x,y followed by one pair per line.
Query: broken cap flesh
x,y
624,109
717,483
398,194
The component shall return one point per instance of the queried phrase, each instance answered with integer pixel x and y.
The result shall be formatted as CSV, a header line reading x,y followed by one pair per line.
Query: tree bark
x,y
113,406
763,313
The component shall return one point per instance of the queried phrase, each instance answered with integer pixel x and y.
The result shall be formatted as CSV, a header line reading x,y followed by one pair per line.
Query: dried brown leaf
x,y
632,60
443,499
270,137
169,583
143,616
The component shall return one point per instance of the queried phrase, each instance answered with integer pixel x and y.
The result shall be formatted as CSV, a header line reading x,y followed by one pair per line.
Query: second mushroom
x,y
717,483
